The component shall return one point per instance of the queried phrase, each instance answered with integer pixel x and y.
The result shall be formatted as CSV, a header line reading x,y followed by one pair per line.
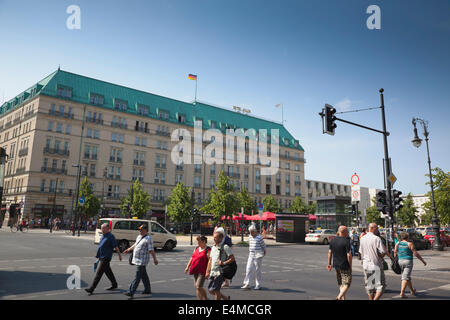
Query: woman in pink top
x,y
198,264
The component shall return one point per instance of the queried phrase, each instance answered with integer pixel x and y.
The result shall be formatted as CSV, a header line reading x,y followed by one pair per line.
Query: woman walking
x,y
198,264
404,250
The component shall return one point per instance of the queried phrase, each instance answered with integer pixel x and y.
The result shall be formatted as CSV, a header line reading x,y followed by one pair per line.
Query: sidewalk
x,y
185,240
89,235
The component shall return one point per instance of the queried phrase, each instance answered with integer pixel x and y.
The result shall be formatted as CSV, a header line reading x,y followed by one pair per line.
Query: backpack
x,y
229,270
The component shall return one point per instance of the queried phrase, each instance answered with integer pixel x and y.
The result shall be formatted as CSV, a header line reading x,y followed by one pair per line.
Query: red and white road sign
x,y
356,193
355,179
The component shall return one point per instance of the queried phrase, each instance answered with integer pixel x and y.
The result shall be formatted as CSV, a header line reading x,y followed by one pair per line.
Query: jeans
x,y
104,267
141,273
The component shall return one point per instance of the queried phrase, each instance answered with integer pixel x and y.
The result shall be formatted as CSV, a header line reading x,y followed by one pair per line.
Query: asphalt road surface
x,y
34,266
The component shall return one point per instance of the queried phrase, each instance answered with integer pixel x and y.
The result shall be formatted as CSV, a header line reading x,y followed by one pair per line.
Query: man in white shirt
x,y
257,249
142,249
214,265
372,252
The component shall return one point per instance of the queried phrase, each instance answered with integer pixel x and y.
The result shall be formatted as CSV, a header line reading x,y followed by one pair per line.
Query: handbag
x,y
228,270
96,265
395,266
130,259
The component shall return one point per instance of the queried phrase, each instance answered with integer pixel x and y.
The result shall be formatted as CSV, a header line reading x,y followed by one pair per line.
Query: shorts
x,y
406,266
344,277
216,283
199,280
375,280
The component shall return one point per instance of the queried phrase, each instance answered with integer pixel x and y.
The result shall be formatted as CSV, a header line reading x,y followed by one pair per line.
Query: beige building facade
x,y
118,134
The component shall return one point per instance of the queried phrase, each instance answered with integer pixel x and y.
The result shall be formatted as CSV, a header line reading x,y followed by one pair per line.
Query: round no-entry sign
x,y
355,179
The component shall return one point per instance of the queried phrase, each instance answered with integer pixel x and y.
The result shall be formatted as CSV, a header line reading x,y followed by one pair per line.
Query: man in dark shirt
x,y
105,250
341,253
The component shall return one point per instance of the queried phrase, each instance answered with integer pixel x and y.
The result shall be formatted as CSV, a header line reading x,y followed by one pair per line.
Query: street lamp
x,y
105,173
416,143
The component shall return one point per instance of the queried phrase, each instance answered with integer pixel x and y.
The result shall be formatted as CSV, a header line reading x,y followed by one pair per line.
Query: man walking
x,y
372,252
214,264
340,251
105,250
257,249
141,249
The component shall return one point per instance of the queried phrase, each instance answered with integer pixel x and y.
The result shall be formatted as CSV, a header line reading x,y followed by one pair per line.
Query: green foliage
x,y
222,200
91,205
298,206
179,204
441,181
408,214
246,202
271,205
373,215
140,204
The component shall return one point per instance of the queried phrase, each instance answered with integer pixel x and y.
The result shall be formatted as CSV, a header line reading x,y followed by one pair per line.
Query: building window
x,y
50,125
64,92
68,129
96,99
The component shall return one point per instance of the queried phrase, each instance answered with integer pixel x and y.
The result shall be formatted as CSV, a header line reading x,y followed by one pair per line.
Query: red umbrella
x,y
312,217
239,217
269,216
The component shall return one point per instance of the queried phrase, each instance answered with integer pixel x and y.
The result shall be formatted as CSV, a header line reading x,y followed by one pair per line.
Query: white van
x,y
126,231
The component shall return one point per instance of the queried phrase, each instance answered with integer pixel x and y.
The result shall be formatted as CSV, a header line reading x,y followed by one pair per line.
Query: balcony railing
x,y
20,170
23,152
179,168
56,151
119,125
61,114
97,121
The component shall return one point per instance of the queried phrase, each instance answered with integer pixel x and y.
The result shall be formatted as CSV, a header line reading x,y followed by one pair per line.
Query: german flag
x,y
192,77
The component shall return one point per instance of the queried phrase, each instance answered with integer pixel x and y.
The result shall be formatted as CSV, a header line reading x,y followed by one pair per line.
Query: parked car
x,y
421,230
323,236
419,241
126,231
445,238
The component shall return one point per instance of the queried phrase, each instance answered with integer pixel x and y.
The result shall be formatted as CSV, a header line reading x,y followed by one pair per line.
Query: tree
x,y
298,206
441,181
271,205
91,205
373,215
311,209
222,200
246,201
179,204
140,204
408,214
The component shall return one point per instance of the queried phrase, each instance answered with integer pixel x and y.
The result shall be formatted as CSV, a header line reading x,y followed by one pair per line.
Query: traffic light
x,y
352,209
397,199
382,201
330,119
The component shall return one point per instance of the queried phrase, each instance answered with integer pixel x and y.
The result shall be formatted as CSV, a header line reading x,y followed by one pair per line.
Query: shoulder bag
x,y
228,270
130,259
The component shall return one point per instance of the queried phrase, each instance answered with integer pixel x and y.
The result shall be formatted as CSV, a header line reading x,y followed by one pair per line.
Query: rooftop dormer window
x,y
64,92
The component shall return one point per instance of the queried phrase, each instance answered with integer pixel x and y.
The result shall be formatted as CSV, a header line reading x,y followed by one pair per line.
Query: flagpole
x,y
195,100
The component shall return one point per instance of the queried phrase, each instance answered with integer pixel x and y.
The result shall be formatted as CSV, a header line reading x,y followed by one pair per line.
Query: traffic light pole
x,y
388,170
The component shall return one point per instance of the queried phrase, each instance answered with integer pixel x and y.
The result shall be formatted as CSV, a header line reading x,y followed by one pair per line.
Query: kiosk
x,y
291,228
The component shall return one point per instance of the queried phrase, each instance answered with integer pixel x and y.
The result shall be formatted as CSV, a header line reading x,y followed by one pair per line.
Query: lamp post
x,y
416,143
3,157
105,173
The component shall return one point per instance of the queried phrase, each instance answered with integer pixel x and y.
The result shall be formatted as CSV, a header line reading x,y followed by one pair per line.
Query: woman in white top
x,y
257,250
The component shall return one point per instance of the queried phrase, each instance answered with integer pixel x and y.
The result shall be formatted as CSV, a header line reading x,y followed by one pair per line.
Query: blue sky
x,y
256,54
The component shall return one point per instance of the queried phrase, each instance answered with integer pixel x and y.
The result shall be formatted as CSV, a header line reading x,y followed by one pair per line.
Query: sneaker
x,y
90,291
257,288
245,286
128,294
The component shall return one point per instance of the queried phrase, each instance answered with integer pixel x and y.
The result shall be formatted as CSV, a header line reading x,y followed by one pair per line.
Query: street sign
x,y
260,209
392,178
81,201
356,193
354,179
21,204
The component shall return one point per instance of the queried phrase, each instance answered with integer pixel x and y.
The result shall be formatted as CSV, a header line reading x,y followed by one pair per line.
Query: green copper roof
x,y
82,87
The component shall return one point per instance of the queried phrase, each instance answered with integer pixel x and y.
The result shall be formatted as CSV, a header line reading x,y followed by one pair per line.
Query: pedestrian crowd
x,y
217,263
371,250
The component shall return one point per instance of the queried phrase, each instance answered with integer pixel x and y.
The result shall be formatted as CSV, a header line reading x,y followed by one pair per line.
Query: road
x,y
33,266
